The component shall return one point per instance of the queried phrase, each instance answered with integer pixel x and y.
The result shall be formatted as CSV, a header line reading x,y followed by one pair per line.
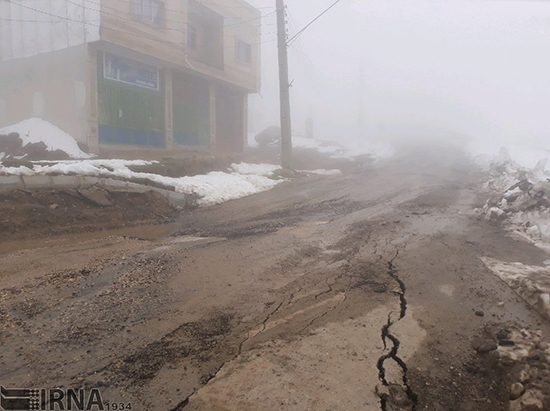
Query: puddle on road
x,y
147,232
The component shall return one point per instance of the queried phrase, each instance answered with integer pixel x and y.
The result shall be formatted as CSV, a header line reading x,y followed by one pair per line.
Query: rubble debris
x,y
524,363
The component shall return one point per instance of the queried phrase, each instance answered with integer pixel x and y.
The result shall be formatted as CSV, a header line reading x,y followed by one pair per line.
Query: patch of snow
x,y
344,148
356,148
535,222
36,130
2,155
258,169
322,172
531,282
217,187
494,213
16,171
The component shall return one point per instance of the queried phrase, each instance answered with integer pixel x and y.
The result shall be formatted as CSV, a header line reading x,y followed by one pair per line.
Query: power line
x,y
63,18
42,21
161,18
303,58
183,11
181,44
251,20
120,11
163,27
237,7
313,21
186,12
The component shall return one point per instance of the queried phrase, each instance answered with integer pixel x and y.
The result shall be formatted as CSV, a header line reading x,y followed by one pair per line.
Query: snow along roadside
x,y
531,282
212,188
520,199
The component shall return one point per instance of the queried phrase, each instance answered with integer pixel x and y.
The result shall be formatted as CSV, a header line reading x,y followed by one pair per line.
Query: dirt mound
x,y
48,212
12,148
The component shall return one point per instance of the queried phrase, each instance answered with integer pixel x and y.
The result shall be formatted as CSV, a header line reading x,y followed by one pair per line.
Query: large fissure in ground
x,y
393,354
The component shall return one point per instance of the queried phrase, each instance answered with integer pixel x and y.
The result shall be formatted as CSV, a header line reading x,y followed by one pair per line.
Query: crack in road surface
x,y
185,402
394,351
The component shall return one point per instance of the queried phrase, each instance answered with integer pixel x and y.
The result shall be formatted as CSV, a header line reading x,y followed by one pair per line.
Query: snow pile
x,y
212,188
35,131
531,282
520,195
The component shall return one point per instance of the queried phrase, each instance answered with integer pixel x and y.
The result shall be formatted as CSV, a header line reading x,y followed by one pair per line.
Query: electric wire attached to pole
x,y
284,83
311,22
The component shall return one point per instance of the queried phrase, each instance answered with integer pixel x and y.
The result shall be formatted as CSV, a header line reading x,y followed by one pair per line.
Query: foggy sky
x,y
476,68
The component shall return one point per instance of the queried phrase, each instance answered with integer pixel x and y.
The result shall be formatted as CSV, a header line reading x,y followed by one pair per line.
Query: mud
x,y
357,291
41,213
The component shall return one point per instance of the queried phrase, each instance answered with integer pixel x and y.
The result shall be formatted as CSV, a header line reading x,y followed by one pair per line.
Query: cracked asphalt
x,y
353,292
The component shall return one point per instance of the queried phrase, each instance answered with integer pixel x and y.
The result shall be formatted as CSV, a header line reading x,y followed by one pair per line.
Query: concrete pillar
x,y
168,110
212,93
92,109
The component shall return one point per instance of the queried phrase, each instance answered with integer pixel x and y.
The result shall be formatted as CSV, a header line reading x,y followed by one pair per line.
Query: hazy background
x,y
446,68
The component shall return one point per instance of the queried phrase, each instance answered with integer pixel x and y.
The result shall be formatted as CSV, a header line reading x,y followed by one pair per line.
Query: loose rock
x,y
483,345
516,390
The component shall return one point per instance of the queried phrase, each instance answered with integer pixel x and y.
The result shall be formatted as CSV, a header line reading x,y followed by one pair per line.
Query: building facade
x,y
125,75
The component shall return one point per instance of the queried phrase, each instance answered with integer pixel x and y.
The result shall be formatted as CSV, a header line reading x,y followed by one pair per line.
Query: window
x,y
149,10
192,37
244,51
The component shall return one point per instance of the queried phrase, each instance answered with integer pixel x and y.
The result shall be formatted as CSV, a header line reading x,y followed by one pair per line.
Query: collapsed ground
x,y
357,292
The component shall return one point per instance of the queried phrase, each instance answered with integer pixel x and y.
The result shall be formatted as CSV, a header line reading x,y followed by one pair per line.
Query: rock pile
x,y
524,360
531,355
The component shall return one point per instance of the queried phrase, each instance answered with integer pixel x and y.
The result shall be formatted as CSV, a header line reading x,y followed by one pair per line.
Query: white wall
x,y
30,27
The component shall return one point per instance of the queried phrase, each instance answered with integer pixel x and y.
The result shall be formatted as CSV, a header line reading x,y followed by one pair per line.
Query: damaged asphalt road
x,y
355,292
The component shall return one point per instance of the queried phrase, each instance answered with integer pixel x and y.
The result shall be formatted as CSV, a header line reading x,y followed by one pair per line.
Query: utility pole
x,y
284,86
361,114
309,124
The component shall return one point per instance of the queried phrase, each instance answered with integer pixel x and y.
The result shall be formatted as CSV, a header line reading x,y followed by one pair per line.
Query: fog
x,y
376,69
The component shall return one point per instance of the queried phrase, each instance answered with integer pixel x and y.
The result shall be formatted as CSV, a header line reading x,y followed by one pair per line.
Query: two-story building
x,y
124,75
